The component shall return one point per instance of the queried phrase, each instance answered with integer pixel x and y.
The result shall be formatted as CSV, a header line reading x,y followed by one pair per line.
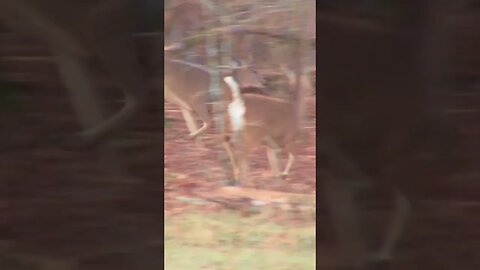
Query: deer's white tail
x,y
230,81
236,109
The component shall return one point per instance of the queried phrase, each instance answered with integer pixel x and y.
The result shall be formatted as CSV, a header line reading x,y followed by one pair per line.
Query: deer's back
x,y
186,82
275,115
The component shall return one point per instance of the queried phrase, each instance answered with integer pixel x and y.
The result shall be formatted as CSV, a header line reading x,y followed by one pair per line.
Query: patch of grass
x,y
227,240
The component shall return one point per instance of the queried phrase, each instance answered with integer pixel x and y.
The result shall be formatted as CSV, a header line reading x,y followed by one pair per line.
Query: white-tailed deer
x,y
81,33
187,85
260,119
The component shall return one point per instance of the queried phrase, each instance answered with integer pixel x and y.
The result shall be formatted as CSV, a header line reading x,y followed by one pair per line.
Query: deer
x,y
376,120
187,86
260,119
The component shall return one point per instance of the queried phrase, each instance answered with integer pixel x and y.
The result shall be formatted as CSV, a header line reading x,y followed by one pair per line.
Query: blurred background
x,y
397,92
87,209
73,209
92,208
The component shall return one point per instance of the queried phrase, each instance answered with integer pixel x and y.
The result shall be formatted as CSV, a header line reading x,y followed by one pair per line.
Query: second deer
x,y
260,119
187,85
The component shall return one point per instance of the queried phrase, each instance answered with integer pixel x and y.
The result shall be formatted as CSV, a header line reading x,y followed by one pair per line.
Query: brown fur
x,y
269,121
187,86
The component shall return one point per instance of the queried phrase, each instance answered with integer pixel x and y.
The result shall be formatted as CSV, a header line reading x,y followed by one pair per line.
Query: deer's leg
x,y
291,159
188,117
400,216
243,163
273,160
243,167
199,131
191,125
291,150
228,147
251,138
200,108
272,154
197,106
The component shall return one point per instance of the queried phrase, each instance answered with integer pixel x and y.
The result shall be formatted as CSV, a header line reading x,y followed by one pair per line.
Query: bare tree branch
x,y
280,34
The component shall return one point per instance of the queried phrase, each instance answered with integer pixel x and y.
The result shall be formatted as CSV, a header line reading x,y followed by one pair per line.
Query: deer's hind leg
x,y
199,105
192,126
272,154
239,161
233,162
273,160
291,150
187,113
252,137
291,159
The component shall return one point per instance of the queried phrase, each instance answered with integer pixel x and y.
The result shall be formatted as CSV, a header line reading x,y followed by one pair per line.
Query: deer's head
x,y
246,75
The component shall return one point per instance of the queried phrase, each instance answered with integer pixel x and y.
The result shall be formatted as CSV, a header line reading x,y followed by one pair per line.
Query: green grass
x,y
228,241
